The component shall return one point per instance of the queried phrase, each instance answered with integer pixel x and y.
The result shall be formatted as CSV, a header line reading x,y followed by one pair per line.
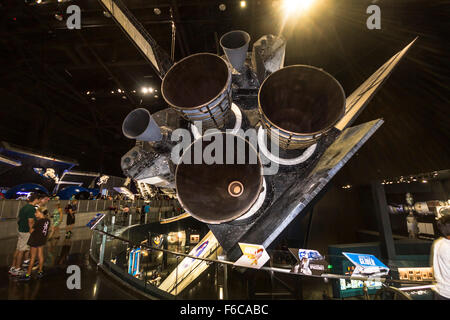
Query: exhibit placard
x,y
254,256
309,262
366,264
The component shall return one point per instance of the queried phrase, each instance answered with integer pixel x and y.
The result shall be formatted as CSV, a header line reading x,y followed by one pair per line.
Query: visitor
x,y
25,223
147,207
70,209
57,215
43,199
37,240
441,260
126,211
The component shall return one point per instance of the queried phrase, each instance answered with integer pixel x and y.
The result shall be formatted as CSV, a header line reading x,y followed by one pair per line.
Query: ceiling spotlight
x,y
88,92
222,7
157,11
243,4
93,98
38,1
112,91
155,96
124,97
144,90
291,6
119,91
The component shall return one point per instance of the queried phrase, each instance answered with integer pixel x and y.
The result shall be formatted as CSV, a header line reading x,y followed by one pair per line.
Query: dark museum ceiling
x,y
47,70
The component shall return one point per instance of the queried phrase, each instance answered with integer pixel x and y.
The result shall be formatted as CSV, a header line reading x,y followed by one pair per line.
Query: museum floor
x,y
95,285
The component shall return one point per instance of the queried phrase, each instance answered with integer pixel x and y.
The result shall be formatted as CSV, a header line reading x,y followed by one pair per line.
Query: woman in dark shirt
x,y
37,241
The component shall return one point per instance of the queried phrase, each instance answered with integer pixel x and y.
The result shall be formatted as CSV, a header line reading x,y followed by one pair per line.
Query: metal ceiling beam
x,y
184,46
139,35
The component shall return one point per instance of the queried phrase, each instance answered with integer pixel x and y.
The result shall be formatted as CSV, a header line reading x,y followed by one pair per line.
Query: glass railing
x,y
9,209
134,256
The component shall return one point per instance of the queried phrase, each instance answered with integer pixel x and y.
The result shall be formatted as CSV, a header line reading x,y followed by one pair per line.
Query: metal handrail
x,y
270,269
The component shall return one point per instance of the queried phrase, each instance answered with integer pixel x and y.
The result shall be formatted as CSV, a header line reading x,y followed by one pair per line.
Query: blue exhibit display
x,y
134,262
345,288
24,190
366,264
19,164
364,260
77,191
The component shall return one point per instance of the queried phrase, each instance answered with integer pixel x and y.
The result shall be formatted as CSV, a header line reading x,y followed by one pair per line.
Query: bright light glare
x,y
243,4
146,90
291,6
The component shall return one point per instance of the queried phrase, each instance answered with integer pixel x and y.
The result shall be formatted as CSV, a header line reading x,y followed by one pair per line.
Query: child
x,y
37,241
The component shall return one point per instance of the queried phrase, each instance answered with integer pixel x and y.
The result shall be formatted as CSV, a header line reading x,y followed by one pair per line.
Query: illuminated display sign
x,y
309,262
134,262
366,264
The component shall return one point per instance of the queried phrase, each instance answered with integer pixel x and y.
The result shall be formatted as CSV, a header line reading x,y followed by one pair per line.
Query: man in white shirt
x,y
441,260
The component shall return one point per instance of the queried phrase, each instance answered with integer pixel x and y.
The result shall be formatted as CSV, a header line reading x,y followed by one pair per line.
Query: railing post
x,y
113,220
18,208
176,276
102,246
225,281
3,206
